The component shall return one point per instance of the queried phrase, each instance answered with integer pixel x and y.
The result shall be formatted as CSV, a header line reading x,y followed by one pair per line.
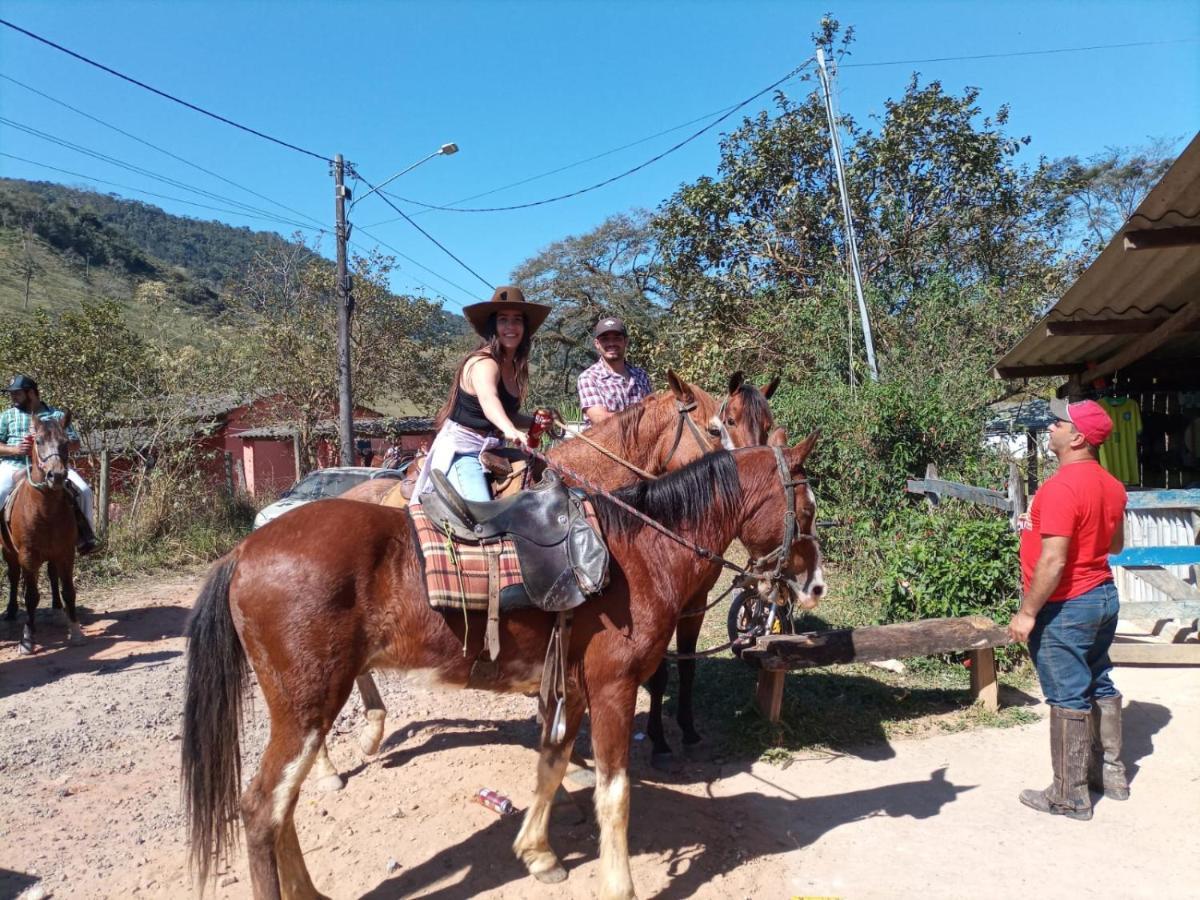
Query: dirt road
x,y
90,800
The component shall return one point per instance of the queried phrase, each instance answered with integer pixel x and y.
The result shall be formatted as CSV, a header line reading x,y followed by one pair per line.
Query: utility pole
x,y
345,307
835,142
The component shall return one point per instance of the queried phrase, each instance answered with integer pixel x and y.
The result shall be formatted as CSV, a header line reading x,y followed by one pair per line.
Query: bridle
x,y
40,465
683,409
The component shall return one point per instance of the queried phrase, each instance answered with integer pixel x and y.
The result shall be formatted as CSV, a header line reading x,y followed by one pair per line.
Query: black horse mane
x,y
705,488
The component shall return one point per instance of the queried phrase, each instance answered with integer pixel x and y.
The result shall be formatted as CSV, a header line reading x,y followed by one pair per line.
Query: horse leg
x,y
660,753
14,582
371,736
612,722
75,633
369,739
532,845
55,595
325,772
687,633
31,604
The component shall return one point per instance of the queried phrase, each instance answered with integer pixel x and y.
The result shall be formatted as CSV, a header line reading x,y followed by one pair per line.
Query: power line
x,y
164,94
617,177
384,197
162,150
138,170
1005,55
408,258
126,187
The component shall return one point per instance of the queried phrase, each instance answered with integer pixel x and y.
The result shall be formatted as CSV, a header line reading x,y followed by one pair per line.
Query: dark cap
x,y
609,323
21,383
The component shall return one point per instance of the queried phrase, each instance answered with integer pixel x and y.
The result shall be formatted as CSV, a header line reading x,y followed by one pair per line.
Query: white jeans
x,y
9,472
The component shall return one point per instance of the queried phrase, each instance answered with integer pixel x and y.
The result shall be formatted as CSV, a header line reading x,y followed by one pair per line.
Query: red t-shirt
x,y
1085,503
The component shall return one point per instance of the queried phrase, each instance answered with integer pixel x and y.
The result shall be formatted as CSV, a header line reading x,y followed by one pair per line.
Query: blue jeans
x,y
1069,645
466,474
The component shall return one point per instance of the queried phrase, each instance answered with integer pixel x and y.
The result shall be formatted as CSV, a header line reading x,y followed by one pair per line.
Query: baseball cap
x,y
21,383
610,323
1088,417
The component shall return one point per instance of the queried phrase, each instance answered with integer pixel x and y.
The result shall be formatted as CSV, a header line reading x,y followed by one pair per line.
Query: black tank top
x,y
467,410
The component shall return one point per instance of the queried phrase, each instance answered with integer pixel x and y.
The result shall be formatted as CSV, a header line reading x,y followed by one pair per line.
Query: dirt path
x,y
90,806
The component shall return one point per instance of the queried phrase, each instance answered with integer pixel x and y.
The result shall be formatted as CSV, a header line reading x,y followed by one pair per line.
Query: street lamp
x,y
345,303
444,150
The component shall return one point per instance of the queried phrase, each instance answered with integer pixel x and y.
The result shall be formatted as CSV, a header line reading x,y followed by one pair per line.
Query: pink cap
x,y
1088,417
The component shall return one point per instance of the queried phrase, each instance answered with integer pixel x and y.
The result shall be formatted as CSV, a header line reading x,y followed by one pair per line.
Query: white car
x,y
321,484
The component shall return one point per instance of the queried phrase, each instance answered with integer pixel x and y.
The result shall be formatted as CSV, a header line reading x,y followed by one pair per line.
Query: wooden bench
x,y
978,636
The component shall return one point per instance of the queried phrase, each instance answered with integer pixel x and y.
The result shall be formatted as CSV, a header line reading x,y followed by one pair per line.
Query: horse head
x,y
785,555
51,451
744,419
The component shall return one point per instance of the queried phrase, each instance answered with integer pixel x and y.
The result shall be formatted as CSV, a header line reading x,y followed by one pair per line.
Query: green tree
x,y
613,269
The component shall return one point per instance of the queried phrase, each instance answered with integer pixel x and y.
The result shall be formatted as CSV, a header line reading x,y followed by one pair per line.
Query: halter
x,y
29,467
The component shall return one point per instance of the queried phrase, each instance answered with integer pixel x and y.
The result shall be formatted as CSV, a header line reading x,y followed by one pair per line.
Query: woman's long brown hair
x,y
490,347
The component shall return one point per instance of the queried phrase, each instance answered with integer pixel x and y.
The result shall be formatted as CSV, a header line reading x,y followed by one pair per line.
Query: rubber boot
x,y
1106,772
1070,751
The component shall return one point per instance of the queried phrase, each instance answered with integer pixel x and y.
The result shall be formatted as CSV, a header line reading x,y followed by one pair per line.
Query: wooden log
x,y
769,695
928,637
1187,654
1173,499
1156,556
102,495
1171,585
984,686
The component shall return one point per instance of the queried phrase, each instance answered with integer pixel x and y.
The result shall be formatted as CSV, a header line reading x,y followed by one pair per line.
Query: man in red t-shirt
x,y
1068,612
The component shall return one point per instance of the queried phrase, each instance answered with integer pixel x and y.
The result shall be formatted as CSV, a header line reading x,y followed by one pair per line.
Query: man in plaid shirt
x,y
16,443
612,384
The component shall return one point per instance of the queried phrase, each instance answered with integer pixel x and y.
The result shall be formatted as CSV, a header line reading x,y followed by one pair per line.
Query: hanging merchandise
x,y
1119,454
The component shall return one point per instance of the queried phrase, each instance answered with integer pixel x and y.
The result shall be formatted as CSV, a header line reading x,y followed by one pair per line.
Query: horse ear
x,y
66,420
801,451
681,389
772,387
778,438
736,380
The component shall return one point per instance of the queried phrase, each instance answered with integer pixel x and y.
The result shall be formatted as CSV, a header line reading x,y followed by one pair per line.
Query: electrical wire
x,y
138,170
408,258
126,187
164,94
162,150
1011,53
607,181
384,197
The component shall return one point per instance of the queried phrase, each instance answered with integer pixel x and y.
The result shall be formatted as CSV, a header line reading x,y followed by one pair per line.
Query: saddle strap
x,y
552,695
485,669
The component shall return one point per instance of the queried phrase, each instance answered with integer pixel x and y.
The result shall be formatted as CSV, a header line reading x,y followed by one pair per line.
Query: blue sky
x,y
526,87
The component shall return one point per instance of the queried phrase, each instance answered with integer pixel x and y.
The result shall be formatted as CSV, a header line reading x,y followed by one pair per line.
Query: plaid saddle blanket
x,y
456,572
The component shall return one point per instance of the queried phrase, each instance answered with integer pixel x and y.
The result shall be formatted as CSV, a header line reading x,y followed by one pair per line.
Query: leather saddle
x,y
563,558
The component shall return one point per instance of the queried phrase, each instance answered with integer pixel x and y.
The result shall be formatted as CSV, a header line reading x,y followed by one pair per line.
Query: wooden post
x,y
931,472
239,469
1031,451
102,496
770,693
229,473
296,452
1016,495
984,687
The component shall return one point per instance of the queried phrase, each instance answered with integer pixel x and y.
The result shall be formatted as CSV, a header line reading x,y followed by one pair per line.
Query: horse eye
x,y
730,422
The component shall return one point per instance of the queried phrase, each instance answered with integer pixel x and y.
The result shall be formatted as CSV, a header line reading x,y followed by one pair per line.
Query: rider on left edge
x,y
16,443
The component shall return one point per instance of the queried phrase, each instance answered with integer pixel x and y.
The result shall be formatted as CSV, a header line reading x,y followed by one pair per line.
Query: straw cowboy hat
x,y
506,297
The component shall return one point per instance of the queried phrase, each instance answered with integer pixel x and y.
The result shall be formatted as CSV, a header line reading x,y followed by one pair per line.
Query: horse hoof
x,y
25,648
76,638
369,741
552,874
691,739
331,783
662,761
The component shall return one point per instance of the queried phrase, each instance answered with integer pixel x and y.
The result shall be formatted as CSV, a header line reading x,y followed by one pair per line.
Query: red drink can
x,y
495,801
541,421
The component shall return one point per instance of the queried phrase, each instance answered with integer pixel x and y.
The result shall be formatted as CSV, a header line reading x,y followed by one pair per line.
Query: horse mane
x,y
756,409
709,487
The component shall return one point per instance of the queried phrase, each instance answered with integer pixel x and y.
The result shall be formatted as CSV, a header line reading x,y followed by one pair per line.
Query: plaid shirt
x,y
601,386
16,423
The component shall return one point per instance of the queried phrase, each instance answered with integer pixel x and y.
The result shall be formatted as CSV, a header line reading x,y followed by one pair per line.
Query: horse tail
x,y
211,764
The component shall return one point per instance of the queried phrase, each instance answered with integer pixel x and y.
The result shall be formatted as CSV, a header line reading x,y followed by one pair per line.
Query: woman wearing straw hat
x,y
482,410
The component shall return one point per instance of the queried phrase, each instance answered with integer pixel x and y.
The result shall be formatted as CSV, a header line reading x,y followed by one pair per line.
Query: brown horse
x,y
664,432
316,597
42,529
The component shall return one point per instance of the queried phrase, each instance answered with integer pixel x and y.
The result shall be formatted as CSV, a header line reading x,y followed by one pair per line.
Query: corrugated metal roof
x,y
1126,284
363,427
